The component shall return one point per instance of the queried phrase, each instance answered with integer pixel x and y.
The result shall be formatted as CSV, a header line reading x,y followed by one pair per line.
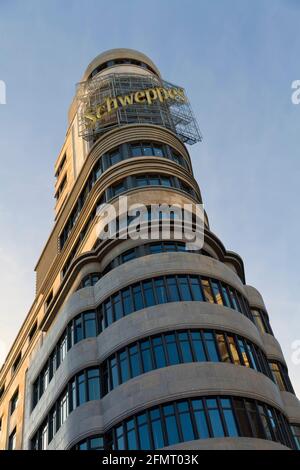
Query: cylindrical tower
x,y
147,345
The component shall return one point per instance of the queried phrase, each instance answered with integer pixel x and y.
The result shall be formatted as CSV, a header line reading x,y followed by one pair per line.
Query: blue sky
x,y
236,59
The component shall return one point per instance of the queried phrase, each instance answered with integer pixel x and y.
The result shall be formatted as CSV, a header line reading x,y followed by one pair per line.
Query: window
x,y
118,188
81,383
222,346
215,417
93,381
262,321
44,436
185,347
14,401
63,407
296,435
185,420
281,377
12,440
211,346
115,156
171,425
229,417
61,187
49,299
258,320
90,329
17,362
172,288
234,351
32,331
207,291
89,280
61,165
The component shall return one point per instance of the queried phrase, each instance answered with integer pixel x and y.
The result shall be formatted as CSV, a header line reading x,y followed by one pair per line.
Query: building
x,y
140,343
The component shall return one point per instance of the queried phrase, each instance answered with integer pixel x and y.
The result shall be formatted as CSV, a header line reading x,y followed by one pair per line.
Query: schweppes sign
x,y
148,96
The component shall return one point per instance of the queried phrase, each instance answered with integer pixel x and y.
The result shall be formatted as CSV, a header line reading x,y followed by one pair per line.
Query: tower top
x,y
115,57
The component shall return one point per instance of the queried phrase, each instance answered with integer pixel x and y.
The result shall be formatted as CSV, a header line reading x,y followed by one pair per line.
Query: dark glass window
x,y
81,389
135,361
200,419
143,431
159,352
222,346
207,291
136,151
211,346
157,430
180,421
229,417
196,288
93,380
14,401
127,301
215,417
78,330
172,349
172,289
160,289
90,324
198,346
146,356
184,288
149,293
296,435
171,425
185,420
217,292
12,440
185,347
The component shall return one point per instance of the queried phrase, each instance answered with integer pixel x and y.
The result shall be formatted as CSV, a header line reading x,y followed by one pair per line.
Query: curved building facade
x,y
140,343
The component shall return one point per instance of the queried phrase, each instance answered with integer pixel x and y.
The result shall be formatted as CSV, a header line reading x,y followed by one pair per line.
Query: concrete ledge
x,y
157,319
162,385
229,443
272,348
184,380
291,406
254,297
128,273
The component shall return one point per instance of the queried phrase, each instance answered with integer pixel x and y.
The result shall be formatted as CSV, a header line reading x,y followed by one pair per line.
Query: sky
x,y
236,59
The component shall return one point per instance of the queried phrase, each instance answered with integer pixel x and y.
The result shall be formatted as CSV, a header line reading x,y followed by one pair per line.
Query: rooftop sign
x,y
120,99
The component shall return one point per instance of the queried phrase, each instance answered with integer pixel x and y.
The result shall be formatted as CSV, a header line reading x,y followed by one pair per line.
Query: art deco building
x,y
140,344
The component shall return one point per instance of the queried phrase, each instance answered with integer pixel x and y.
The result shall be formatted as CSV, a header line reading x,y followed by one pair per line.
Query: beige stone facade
x,y
61,270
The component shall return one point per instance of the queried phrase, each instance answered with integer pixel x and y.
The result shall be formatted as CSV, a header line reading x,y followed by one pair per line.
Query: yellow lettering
x,y
142,96
171,92
100,111
111,104
91,118
139,97
180,94
151,95
161,93
125,100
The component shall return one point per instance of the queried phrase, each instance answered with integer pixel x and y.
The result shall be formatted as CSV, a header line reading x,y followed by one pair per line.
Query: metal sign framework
x,y
175,115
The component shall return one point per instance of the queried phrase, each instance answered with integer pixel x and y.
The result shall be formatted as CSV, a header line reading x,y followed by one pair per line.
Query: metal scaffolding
x,y
175,115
